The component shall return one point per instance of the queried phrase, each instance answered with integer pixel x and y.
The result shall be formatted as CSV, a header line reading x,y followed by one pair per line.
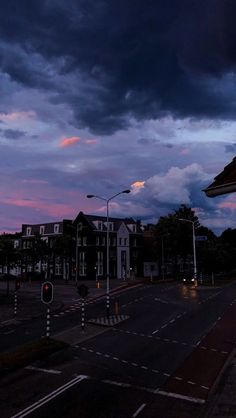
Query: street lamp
x,y
194,248
89,196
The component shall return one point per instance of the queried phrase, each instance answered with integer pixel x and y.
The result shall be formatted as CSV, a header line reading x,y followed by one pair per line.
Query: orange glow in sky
x,y
68,142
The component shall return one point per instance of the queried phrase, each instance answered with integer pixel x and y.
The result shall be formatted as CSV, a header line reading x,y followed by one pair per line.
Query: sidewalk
x,y
222,403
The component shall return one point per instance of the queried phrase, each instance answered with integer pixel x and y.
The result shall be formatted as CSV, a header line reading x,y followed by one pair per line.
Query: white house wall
x,y
123,245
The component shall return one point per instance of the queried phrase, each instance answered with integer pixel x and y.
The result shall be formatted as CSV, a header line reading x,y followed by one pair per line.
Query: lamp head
x,y
89,196
126,191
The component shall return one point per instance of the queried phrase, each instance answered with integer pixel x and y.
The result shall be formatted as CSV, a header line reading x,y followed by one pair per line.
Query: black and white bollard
x,y
15,303
82,314
108,306
48,324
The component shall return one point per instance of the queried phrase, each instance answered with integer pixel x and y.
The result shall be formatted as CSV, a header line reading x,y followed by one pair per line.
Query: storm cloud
x,y
123,60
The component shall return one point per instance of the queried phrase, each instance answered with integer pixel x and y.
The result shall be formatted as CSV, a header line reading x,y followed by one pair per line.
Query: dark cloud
x,y
131,59
12,133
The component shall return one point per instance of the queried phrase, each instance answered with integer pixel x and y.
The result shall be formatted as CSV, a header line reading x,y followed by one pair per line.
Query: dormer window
x,y
100,225
110,226
28,230
16,244
132,227
56,228
41,229
80,226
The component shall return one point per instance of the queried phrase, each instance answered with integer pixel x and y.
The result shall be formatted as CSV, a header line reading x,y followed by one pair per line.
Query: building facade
x,y
48,249
125,247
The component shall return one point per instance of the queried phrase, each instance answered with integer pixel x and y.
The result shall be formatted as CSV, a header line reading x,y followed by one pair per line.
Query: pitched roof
x,y
224,182
116,221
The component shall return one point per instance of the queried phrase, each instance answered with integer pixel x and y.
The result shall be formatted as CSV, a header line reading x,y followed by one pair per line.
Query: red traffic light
x,y
47,292
17,284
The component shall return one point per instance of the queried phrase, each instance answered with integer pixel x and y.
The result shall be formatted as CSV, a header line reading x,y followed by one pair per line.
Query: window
x,y
97,240
103,241
84,240
114,241
110,225
100,225
41,229
56,228
120,241
79,241
99,263
125,241
58,269
28,230
16,244
82,264
80,226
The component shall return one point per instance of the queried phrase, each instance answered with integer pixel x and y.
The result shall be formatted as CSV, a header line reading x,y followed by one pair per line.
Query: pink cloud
x,y
16,116
52,209
184,151
68,142
91,141
227,205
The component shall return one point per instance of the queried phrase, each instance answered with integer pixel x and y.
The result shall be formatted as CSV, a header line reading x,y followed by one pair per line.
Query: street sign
x,y
83,290
47,292
201,238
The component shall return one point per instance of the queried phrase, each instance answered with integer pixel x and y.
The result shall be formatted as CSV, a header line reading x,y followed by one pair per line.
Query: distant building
x,y
56,258
125,247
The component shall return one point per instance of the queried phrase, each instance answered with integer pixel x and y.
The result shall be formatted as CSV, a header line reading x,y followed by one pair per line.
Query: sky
x,y
106,95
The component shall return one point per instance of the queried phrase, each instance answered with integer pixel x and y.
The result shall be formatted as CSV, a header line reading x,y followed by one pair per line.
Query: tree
x,y
8,255
174,238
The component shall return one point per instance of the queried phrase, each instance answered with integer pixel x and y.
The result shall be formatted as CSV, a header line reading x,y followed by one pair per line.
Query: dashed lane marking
x,y
38,369
143,367
166,340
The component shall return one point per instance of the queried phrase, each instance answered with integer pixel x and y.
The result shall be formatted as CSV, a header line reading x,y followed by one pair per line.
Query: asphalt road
x,y
135,368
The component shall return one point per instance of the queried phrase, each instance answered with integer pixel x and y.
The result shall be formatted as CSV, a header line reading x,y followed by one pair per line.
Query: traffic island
x,y
109,321
26,354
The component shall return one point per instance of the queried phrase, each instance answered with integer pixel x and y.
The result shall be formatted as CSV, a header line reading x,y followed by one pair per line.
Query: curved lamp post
x,y
89,196
194,248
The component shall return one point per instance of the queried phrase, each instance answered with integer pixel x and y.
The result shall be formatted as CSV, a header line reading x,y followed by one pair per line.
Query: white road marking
x,y
139,410
178,396
38,369
49,397
154,332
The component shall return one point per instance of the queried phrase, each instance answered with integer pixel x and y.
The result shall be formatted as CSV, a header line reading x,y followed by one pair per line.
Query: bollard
x,y
48,324
15,304
108,305
82,315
